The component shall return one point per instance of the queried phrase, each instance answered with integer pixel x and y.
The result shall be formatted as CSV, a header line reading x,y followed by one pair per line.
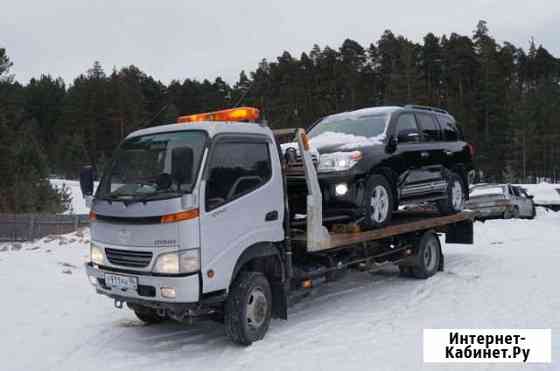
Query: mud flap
x,y
279,300
460,232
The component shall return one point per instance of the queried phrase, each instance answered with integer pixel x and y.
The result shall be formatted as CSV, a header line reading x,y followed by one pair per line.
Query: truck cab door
x,y
242,204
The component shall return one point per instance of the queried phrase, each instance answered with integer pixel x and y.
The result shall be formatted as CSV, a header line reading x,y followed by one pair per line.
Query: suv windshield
x,y
154,166
365,126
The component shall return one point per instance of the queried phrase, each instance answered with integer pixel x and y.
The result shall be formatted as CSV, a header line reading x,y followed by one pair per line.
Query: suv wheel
x,y
378,203
455,200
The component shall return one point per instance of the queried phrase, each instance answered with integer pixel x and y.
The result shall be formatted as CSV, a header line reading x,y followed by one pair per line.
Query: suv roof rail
x,y
426,108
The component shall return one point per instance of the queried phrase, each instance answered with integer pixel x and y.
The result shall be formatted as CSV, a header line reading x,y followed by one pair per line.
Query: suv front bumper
x,y
334,204
187,287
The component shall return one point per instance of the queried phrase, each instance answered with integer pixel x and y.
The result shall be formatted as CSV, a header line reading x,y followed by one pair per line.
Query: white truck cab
x,y
179,206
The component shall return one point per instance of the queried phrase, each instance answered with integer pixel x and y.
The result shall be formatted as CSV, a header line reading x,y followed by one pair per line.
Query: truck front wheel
x,y
248,308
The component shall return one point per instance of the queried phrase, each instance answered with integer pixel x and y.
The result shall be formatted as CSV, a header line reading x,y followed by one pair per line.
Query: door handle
x,y
271,216
424,154
448,153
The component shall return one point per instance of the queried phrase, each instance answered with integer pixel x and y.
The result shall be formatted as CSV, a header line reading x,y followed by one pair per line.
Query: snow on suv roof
x,y
365,112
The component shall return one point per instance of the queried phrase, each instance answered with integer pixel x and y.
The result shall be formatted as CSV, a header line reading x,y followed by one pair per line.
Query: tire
x,y
429,256
515,214
378,203
508,214
248,308
148,315
455,201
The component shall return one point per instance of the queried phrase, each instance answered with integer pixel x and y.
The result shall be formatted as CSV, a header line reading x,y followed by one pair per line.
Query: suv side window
x,y
407,130
236,168
450,130
430,127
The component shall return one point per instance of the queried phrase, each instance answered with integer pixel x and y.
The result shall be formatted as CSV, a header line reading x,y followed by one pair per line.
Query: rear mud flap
x,y
460,232
279,300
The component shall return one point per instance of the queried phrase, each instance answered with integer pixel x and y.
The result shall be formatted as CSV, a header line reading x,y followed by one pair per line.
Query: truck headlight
x,y
96,255
338,161
184,261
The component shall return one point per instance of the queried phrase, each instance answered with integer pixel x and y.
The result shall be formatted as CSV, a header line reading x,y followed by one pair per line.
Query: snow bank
x,y
544,193
53,320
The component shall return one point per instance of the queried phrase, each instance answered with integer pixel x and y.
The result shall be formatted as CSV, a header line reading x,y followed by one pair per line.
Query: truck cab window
x,y
236,168
430,128
407,130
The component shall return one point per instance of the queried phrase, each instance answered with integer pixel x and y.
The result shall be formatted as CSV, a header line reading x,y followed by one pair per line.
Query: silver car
x,y
501,201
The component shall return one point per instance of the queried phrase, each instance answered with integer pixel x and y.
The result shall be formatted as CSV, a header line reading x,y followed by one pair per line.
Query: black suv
x,y
372,160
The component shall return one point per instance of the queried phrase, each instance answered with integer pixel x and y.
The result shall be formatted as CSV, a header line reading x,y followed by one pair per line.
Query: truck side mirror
x,y
87,175
182,164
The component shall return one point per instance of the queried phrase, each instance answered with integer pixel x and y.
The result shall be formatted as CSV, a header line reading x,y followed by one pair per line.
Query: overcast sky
x,y
175,39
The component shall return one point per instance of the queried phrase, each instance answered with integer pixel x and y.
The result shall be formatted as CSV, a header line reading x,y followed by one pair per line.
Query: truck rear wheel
x,y
429,256
248,308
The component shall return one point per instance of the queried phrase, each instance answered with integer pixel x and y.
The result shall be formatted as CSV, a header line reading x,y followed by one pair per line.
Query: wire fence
x,y
27,227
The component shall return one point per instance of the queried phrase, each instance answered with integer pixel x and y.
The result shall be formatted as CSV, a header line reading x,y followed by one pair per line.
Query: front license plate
x,y
125,283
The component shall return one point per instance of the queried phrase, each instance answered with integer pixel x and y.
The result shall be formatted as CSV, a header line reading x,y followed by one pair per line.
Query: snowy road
x,y
51,319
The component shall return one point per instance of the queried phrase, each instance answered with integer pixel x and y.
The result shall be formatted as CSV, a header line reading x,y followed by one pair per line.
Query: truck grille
x,y
127,258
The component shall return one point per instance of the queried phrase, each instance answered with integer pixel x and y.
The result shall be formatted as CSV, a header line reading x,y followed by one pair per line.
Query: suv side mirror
x,y
392,144
87,175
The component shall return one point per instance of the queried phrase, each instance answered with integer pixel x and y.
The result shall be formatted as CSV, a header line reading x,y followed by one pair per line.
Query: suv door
x,y
242,203
407,158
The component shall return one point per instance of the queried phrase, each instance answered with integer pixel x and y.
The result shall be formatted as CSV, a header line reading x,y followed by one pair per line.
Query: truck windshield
x,y
154,166
365,126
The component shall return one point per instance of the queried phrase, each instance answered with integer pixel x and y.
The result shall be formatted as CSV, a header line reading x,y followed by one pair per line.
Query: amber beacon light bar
x,y
240,114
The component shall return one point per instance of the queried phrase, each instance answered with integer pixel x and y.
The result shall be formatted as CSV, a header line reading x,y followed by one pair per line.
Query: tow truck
x,y
191,221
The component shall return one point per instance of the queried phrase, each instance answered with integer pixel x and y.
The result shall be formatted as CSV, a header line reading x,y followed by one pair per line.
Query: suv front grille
x,y
127,258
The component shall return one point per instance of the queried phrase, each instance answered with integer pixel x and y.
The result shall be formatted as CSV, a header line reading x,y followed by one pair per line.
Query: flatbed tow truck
x,y
225,247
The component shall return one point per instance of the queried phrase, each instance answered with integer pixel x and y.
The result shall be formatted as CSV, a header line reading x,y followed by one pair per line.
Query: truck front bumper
x,y
187,287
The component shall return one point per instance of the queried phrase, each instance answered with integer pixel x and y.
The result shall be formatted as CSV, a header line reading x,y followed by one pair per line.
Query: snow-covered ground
x,y
51,319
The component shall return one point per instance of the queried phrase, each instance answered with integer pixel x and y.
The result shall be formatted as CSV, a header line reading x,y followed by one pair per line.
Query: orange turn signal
x,y
92,216
180,216
234,114
305,141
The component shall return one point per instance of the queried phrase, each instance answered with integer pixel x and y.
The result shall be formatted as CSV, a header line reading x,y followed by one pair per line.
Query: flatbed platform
x,y
404,222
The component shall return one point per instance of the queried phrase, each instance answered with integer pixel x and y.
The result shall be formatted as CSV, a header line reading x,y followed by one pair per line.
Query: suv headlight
x,y
338,161
96,255
184,261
